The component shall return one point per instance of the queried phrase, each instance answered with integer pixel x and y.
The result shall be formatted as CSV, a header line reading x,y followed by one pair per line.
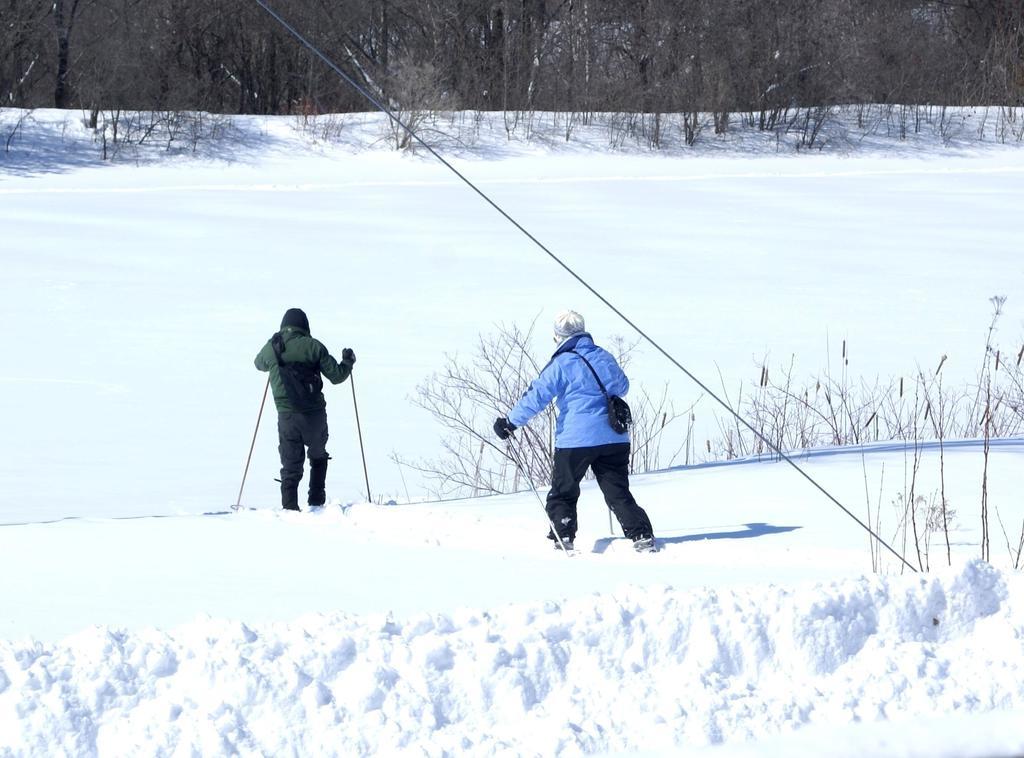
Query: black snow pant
x,y
296,432
610,464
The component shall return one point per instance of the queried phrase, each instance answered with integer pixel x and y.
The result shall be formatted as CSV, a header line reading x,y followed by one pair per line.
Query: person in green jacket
x,y
296,362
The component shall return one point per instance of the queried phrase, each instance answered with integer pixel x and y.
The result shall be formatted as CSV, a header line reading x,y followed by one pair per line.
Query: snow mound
x,y
642,668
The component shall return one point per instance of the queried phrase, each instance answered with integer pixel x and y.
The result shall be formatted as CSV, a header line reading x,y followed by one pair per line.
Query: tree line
x,y
580,56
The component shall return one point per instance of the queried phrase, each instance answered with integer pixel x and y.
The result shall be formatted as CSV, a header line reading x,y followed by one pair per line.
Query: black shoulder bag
x,y
302,381
620,418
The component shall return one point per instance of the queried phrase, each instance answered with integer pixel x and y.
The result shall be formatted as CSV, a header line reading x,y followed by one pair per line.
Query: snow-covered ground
x,y
139,294
434,629
456,627
137,617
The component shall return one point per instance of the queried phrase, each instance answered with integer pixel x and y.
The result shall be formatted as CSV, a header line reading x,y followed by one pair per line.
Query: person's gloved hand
x,y
348,356
503,428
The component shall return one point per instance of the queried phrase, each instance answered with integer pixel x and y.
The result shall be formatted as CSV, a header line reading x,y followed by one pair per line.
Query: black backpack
x,y
620,417
302,381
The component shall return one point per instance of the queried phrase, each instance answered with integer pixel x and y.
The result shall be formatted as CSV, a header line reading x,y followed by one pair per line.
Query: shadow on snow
x,y
757,529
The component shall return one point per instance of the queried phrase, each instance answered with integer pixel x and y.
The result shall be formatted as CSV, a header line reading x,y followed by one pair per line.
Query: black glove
x,y
503,428
348,356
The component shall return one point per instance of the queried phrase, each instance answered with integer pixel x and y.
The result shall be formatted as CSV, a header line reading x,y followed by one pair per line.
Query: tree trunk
x,y
60,92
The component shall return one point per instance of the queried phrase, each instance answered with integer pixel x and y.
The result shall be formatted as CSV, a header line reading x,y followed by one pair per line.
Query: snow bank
x,y
651,669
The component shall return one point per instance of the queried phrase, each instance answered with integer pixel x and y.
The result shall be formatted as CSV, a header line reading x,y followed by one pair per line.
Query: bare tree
x,y
468,394
22,51
757,63
415,96
465,398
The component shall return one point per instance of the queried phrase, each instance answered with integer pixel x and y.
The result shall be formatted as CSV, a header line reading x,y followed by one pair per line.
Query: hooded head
x,y
295,317
568,324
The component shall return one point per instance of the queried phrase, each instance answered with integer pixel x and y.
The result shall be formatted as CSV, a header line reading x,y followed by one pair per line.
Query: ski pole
x,y
522,469
359,431
238,502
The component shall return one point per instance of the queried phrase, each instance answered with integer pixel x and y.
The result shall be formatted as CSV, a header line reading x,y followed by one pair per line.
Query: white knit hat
x,y
568,323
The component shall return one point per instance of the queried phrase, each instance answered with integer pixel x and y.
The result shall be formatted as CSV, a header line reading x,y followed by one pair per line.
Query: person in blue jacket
x,y
584,437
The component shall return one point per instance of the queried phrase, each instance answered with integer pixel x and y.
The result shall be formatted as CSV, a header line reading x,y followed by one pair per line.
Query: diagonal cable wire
x,y
413,135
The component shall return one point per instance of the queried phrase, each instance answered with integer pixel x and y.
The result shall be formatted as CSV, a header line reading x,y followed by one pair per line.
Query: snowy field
x,y
138,618
431,630
143,291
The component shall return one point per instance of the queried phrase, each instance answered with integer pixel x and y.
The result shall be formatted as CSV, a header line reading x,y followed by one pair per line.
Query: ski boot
x,y
645,545
317,481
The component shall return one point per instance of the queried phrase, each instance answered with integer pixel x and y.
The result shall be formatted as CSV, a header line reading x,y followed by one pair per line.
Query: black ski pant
x,y
296,432
610,464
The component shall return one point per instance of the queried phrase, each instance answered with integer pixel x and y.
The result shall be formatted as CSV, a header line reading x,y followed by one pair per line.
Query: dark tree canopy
x,y
643,56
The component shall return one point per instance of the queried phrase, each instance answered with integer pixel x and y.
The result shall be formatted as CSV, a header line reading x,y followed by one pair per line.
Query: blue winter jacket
x,y
582,409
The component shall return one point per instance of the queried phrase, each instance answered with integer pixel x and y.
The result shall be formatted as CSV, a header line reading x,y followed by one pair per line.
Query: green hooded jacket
x,y
299,347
